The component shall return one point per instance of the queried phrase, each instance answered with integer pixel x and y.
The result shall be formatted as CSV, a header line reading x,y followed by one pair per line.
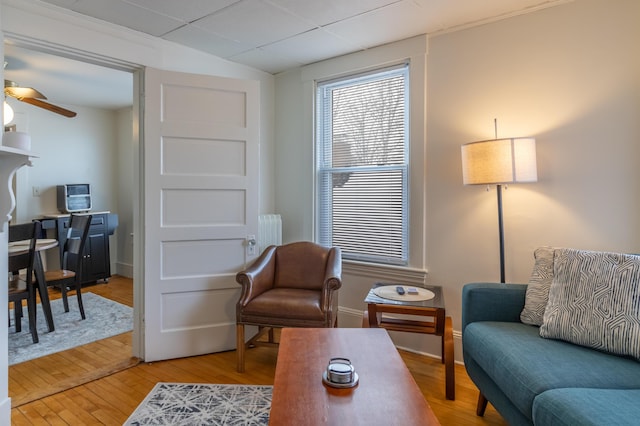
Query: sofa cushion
x,y
537,294
594,301
587,407
524,365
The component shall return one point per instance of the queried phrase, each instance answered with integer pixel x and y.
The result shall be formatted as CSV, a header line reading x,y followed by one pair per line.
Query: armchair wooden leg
x,y
482,405
450,371
240,347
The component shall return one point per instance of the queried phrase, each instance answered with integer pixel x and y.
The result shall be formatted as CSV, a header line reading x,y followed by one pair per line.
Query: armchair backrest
x,y
302,265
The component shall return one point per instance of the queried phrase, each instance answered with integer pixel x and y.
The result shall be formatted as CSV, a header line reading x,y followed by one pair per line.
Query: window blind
x,y
362,165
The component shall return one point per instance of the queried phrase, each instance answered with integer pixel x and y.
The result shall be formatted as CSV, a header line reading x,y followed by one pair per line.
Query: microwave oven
x,y
74,198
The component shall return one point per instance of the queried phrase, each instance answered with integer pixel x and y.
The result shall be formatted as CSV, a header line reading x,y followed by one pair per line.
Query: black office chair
x,y
69,276
23,287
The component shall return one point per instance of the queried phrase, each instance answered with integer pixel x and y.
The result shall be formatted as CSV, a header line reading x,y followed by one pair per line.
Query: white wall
x,y
567,75
70,150
124,176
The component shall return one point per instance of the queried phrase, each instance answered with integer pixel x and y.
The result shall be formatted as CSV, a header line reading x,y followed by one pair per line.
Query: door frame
x,y
137,71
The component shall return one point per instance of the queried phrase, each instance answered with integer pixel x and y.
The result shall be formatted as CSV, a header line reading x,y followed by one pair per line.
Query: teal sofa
x,y
531,380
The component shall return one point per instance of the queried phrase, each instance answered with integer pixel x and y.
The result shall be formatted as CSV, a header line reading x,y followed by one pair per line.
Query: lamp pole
x,y
500,232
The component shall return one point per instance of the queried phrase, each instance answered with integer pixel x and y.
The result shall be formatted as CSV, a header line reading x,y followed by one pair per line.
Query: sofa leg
x,y
447,355
240,347
482,405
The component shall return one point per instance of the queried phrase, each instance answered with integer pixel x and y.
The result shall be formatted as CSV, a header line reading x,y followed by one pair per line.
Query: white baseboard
x,y
124,269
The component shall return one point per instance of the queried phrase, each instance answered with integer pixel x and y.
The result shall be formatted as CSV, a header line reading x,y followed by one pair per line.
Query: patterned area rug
x,y
105,318
203,404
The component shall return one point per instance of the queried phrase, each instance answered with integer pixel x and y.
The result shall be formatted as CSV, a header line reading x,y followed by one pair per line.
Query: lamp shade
x,y
499,161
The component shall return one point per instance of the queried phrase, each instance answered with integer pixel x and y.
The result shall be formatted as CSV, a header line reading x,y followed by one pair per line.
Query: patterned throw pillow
x,y
594,301
537,294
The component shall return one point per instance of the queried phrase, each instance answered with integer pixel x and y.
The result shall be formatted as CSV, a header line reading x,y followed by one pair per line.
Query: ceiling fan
x,y
33,97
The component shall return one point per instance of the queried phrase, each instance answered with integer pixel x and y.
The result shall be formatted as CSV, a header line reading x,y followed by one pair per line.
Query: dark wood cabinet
x,y
97,261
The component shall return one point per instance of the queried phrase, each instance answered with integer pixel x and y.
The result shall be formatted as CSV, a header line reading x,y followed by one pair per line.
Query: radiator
x,y
269,231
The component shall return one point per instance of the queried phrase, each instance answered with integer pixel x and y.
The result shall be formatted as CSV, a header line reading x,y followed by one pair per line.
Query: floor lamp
x,y
499,162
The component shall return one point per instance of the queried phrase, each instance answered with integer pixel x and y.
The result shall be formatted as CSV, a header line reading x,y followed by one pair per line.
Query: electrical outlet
x,y
36,191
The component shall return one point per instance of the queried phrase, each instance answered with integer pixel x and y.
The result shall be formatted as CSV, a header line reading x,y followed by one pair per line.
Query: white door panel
x,y
201,199
225,157
191,258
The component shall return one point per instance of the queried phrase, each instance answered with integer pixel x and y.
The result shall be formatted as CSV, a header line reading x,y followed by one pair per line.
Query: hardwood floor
x,y
101,384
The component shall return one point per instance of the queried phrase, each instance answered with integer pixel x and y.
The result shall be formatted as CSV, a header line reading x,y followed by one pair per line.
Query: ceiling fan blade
x,y
23,92
49,107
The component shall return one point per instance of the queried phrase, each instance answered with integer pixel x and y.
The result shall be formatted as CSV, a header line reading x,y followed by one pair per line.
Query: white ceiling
x,y
271,35
67,82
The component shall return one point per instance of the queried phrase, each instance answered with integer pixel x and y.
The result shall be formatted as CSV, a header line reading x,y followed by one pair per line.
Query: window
x,y
362,165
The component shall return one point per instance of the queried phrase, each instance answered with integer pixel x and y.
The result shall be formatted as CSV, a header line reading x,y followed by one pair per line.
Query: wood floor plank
x,y
101,384
63,406
19,419
81,401
108,403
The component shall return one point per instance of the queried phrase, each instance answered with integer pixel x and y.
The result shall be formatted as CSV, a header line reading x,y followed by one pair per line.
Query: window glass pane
x,y
368,123
374,200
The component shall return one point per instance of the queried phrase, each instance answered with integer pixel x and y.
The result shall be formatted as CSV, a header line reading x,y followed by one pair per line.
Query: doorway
x,y
108,154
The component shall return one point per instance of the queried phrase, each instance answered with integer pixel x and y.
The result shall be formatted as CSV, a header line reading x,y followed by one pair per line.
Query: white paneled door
x,y
200,153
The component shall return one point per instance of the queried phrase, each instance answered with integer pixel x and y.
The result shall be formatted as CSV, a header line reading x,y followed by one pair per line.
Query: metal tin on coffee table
x,y
340,374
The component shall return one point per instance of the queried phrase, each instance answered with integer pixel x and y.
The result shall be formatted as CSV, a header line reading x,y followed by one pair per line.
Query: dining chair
x,y
23,287
68,277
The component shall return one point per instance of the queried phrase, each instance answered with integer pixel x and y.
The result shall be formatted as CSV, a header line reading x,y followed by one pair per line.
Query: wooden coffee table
x,y
386,393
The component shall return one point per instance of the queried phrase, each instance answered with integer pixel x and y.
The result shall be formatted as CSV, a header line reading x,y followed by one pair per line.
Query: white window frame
x,y
326,172
414,51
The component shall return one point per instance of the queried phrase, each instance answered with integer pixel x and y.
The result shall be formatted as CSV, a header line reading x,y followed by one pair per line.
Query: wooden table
x,y
21,247
386,393
435,322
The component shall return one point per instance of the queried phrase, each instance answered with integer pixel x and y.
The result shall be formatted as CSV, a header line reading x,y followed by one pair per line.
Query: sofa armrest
x,y
492,302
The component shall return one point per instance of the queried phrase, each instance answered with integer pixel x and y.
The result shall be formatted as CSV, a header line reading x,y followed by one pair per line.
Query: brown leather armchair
x,y
293,285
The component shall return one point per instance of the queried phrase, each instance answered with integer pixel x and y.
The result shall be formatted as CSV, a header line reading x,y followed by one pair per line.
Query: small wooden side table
x,y
436,323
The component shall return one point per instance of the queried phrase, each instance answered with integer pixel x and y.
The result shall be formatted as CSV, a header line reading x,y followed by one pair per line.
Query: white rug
x,y
105,318
203,404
